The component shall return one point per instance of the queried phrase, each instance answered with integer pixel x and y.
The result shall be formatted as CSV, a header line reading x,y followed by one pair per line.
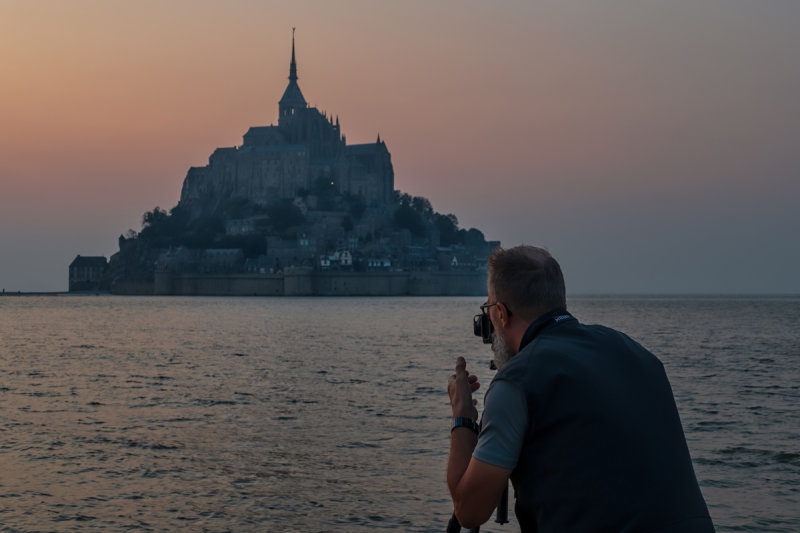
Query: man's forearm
x,y
462,444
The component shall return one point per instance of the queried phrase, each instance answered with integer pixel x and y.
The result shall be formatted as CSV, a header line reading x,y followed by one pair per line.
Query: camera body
x,y
482,327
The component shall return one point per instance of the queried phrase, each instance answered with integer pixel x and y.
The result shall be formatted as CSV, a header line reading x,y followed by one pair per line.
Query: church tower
x,y
292,100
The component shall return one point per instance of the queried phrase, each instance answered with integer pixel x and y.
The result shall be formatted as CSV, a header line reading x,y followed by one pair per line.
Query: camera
x,y
482,327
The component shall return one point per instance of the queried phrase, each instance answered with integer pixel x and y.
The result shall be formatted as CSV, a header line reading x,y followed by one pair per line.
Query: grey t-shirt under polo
x,y
505,422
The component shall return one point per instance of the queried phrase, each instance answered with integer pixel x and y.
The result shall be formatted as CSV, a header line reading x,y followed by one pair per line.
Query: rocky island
x,y
295,210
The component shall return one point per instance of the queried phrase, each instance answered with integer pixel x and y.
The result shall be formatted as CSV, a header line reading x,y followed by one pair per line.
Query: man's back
x,y
604,450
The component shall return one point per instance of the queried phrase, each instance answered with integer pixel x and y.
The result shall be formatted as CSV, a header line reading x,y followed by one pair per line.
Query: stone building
x,y
304,150
87,273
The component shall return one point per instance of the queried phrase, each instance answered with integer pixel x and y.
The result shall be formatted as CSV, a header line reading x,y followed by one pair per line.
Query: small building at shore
x,y
87,273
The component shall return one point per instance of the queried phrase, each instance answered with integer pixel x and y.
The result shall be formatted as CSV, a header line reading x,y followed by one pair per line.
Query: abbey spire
x,y
293,65
292,99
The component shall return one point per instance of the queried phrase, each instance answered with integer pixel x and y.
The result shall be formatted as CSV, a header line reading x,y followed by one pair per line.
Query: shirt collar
x,y
536,327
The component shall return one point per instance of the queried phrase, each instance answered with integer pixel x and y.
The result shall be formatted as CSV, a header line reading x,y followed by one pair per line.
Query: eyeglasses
x,y
485,308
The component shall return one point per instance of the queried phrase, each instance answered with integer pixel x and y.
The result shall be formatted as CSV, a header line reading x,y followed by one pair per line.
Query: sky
x,y
650,145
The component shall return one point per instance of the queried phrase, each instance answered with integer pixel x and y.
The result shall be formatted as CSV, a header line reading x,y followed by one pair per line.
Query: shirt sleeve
x,y
503,427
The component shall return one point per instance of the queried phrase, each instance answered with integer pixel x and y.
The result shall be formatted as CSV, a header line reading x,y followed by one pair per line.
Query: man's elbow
x,y
476,494
470,516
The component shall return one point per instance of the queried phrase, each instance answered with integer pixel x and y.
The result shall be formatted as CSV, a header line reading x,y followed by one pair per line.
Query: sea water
x,y
331,414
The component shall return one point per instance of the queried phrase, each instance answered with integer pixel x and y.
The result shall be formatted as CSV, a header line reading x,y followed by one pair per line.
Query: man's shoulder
x,y
562,336
574,333
571,340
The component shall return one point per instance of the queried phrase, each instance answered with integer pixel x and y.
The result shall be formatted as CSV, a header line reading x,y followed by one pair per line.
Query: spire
x,y
292,100
293,66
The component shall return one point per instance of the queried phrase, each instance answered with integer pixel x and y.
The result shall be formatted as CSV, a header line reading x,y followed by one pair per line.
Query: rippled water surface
x,y
330,414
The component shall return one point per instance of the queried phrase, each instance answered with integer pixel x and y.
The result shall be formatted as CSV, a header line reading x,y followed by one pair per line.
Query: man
x,y
580,418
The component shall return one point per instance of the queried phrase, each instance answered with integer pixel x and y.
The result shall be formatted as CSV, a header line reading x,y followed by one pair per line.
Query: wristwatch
x,y
463,422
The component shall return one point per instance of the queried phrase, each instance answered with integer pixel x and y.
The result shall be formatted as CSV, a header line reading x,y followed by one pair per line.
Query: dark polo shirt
x,y
604,449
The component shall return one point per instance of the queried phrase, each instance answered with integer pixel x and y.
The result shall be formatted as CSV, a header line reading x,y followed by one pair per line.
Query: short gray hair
x,y
528,280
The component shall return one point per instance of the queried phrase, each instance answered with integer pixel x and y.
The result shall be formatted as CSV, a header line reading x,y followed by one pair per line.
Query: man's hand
x,y
460,387
474,485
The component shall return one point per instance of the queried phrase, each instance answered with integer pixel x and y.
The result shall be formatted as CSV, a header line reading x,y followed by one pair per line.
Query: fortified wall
x,y
306,282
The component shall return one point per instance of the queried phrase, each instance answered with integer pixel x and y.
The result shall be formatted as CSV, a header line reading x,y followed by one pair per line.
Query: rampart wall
x,y
305,282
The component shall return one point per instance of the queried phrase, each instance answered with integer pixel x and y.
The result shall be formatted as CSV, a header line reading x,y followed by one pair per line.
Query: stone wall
x,y
226,285
133,288
306,282
360,284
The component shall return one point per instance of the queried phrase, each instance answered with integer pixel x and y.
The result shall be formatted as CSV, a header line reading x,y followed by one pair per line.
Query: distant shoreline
x,y
621,296
48,293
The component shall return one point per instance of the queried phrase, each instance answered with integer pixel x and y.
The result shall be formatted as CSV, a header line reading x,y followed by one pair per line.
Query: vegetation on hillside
x,y
283,219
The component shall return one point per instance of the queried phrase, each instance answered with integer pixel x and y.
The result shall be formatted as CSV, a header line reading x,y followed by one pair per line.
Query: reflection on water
x,y
330,414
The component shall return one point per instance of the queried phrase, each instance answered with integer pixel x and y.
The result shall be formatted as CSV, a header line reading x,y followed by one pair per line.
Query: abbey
x,y
305,150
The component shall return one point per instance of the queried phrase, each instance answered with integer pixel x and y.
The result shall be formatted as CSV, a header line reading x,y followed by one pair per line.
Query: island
x,y
294,211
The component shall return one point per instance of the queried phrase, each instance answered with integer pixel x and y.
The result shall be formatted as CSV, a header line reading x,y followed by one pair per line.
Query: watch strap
x,y
464,422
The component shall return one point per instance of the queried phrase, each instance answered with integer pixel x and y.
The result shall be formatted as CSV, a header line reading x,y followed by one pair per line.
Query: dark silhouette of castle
x,y
304,151
296,211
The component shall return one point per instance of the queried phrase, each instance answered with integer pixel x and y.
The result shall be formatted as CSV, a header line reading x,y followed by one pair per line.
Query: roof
x,y
264,135
89,261
364,149
293,95
274,148
261,130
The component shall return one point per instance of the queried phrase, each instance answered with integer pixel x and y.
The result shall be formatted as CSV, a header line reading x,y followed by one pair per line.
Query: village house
x,y
86,273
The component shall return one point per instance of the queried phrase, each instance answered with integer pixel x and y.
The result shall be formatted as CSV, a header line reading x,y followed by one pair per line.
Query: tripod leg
x,y
502,508
453,526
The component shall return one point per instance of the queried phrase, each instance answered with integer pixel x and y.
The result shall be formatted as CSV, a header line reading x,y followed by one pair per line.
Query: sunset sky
x,y
652,146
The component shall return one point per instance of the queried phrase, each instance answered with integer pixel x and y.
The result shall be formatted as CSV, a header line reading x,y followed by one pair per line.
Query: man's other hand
x,y
460,387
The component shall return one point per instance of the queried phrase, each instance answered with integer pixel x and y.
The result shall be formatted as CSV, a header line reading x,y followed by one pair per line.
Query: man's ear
x,y
504,314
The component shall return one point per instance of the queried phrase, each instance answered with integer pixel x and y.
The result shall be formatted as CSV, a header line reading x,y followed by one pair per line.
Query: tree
x,y
474,237
283,214
156,229
154,217
203,232
407,218
448,229
422,206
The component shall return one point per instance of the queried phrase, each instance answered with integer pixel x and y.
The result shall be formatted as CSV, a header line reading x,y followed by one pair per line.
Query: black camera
x,y
483,328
